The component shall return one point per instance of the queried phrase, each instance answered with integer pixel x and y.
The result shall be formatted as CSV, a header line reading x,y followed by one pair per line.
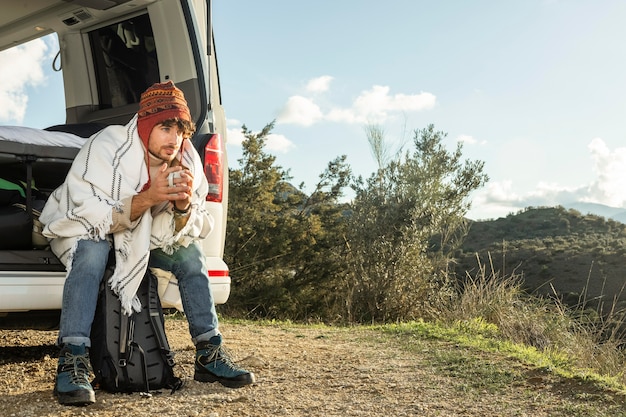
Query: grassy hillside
x,y
581,256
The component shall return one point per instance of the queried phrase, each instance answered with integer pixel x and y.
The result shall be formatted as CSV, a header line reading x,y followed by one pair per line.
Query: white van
x,y
110,52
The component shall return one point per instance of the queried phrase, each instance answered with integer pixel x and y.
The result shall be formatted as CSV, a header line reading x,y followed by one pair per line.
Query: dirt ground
x,y
303,371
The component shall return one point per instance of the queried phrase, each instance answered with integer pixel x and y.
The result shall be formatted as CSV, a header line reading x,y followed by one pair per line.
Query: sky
x,y
536,88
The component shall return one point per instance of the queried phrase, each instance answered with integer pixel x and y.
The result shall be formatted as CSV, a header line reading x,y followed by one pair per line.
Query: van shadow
x,y
17,354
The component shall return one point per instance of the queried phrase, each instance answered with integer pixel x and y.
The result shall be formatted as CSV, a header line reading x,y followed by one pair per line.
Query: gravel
x,y
301,371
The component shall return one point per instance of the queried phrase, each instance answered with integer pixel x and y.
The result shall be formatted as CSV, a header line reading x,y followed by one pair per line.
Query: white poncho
x,y
111,166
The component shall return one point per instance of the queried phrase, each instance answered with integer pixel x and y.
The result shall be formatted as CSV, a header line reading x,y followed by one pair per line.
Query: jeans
x,y
80,293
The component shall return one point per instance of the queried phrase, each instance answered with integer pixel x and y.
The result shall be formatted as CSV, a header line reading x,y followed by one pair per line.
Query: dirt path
x,y
307,371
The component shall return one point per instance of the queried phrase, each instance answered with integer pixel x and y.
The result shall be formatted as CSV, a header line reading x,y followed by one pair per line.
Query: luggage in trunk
x,y
33,162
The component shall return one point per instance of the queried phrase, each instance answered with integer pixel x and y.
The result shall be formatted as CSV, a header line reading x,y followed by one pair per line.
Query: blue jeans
x,y
80,293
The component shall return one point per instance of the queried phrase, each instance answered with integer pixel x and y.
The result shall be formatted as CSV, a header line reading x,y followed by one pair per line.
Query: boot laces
x,y
78,367
218,354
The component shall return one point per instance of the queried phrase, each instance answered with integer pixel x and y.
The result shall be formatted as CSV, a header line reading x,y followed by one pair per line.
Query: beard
x,y
163,154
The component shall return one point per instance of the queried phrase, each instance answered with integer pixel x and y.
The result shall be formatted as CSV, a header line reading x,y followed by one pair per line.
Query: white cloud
x,y
235,136
345,115
466,139
274,142
607,188
301,111
20,67
279,143
319,84
496,200
375,105
233,122
552,194
499,198
610,167
501,192
379,96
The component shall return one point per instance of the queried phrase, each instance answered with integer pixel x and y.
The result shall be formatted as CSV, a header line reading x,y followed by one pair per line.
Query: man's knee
x,y
92,252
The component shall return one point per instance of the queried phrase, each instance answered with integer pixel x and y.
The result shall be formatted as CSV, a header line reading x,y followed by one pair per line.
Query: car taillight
x,y
218,273
213,168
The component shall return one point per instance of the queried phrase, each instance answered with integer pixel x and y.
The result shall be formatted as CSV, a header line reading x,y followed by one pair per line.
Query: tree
x,y
407,219
250,246
282,244
383,256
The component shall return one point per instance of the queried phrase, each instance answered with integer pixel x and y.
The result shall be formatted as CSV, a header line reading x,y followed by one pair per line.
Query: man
x,y
140,189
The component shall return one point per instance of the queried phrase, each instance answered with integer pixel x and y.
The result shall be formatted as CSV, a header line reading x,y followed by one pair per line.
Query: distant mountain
x,y
615,213
579,251
621,217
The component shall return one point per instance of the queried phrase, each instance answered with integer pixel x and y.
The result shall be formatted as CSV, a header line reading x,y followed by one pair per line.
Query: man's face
x,y
165,141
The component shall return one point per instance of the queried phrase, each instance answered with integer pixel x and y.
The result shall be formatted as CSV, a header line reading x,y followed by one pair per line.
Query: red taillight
x,y
213,168
218,273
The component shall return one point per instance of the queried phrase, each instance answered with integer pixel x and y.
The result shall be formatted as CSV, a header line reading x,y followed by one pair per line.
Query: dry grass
x,y
591,339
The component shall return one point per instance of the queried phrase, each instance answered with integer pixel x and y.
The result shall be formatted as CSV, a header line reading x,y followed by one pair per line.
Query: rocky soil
x,y
307,371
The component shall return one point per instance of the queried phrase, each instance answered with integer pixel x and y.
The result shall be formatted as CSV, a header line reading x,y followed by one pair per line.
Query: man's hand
x,y
182,181
179,193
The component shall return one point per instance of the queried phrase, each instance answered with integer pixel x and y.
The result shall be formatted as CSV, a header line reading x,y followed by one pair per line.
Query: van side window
x,y
125,60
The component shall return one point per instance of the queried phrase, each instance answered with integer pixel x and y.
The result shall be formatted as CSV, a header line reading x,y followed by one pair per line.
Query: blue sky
x,y
535,88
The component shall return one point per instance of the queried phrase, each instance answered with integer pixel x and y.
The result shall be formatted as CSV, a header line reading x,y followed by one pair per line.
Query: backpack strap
x,y
156,319
127,346
127,332
127,329
144,366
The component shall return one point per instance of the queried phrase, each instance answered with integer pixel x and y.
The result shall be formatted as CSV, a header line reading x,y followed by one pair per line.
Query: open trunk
x,y
109,51
37,161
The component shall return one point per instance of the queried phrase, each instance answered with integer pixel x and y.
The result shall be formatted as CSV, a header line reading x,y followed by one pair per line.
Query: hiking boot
x,y
72,385
213,364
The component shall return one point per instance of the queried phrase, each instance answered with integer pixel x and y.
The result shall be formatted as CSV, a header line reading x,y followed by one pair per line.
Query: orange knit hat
x,y
160,102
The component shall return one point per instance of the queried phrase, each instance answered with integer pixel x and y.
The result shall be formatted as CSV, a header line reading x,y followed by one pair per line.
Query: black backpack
x,y
131,353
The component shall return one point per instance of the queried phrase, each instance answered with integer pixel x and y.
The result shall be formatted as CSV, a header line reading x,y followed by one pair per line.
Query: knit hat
x,y
160,102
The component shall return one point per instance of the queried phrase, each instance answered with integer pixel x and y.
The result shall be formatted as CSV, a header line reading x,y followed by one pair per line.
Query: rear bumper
x,y
220,288
30,290
22,291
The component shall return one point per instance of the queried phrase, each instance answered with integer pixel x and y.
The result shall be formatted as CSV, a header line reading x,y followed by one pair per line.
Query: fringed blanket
x,y
111,166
